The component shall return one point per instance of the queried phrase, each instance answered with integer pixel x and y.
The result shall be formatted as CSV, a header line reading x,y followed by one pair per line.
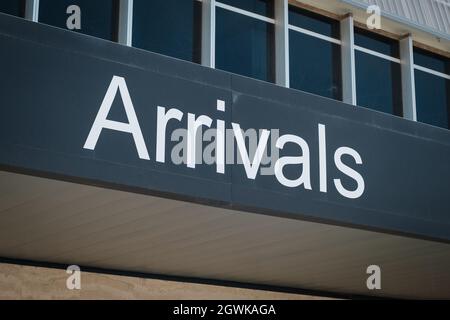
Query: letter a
x,y
73,282
374,280
374,20
74,20
101,121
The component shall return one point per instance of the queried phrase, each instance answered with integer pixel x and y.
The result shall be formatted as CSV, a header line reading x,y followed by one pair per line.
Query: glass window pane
x,y
375,42
244,45
315,65
96,18
431,61
314,22
378,84
13,7
169,27
432,99
262,7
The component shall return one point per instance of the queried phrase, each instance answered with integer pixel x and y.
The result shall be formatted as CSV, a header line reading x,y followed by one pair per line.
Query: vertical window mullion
x,y
32,10
125,29
282,43
408,80
348,60
208,33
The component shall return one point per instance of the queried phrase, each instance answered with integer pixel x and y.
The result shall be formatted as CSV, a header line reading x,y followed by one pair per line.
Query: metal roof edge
x,y
404,21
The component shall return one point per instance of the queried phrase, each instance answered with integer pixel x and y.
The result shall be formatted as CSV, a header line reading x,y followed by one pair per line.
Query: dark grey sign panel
x,y
90,110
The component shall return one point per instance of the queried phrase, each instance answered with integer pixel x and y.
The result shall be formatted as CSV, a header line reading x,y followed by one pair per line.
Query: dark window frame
x,y
269,50
334,26
196,33
435,74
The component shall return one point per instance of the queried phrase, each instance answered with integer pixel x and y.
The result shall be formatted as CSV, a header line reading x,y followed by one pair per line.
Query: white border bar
x,y
125,35
314,34
377,54
244,12
433,72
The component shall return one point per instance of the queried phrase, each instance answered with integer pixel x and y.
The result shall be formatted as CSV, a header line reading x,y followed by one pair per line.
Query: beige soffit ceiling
x,y
68,223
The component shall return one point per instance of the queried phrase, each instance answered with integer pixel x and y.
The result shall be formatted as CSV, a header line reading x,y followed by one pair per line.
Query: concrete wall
x,y
25,282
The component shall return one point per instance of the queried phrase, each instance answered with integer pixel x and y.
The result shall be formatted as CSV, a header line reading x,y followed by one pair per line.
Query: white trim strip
x,y
314,34
244,12
377,54
433,72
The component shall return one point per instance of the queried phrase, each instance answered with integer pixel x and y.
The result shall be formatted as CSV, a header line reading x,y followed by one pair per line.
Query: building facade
x,y
292,148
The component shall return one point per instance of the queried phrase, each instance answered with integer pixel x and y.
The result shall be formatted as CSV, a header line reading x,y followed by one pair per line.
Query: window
x,y
378,72
96,18
432,78
13,7
169,27
245,39
315,54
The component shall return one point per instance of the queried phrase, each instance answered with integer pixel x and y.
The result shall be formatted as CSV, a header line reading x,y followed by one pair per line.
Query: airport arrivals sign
x,y
95,112
218,146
